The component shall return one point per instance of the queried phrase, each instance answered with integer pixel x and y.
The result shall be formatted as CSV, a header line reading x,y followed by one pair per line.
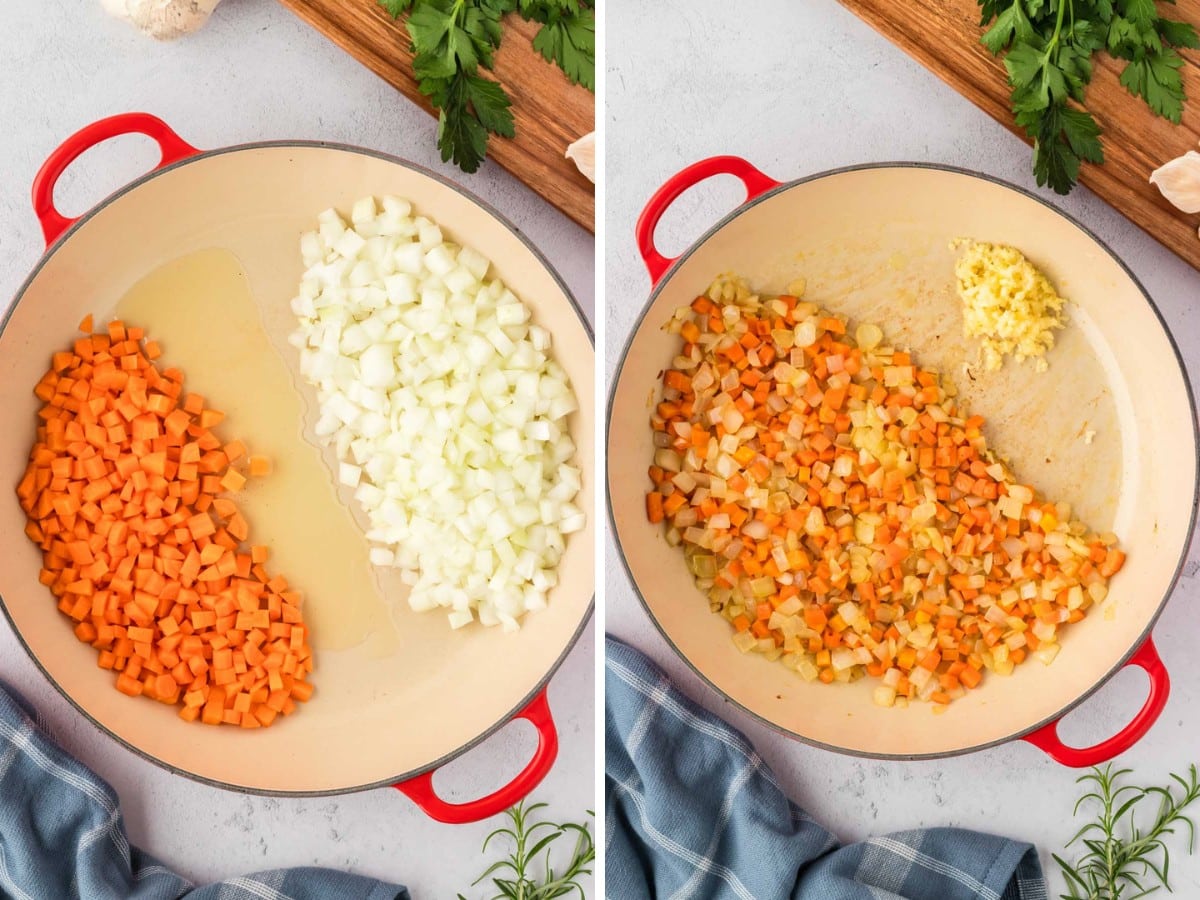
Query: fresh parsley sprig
x,y
1125,861
531,839
566,37
453,39
1050,45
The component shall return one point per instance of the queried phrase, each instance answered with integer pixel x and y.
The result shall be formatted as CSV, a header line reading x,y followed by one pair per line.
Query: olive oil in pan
x,y
201,311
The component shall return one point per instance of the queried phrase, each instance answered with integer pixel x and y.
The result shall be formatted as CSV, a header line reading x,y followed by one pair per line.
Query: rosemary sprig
x,y
530,840
1124,861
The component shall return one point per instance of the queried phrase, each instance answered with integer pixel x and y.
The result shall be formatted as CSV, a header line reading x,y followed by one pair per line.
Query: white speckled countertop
x,y
255,73
798,88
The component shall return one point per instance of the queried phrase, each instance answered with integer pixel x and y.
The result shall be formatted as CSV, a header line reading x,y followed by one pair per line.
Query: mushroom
x,y
163,19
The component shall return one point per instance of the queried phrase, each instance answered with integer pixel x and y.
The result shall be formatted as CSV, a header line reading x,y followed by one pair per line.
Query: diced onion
x,y
448,413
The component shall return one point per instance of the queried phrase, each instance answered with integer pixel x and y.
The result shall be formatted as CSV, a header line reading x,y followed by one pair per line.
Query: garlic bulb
x,y
583,154
163,19
1179,181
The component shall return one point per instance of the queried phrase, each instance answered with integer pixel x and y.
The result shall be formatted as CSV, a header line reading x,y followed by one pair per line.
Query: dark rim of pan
x,y
745,207
516,232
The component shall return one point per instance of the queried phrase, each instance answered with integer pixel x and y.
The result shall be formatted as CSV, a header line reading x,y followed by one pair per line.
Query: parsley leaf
x,y
1122,33
452,40
1178,34
461,137
396,8
470,107
1055,165
491,105
1141,13
1158,81
1048,47
1082,134
1025,64
570,40
429,25
1009,23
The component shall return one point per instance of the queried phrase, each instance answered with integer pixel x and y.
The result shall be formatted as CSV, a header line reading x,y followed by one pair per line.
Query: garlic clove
x,y
583,154
163,19
1179,181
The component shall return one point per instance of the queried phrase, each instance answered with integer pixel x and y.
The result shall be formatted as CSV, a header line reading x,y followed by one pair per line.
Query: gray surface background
x,y
797,88
256,73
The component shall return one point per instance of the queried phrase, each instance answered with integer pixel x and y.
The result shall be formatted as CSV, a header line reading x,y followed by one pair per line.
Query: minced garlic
x,y
1007,303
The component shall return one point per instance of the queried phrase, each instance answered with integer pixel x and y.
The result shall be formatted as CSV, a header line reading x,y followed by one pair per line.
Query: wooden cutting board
x,y
549,111
943,35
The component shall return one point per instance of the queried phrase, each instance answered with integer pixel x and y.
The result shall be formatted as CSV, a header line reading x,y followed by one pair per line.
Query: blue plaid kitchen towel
x,y
62,837
693,813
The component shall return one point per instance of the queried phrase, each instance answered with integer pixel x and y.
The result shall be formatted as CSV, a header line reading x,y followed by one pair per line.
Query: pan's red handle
x,y
755,181
1047,739
420,789
54,223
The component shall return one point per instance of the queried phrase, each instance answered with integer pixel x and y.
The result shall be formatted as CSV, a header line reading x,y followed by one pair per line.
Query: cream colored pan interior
x,y
393,705
873,245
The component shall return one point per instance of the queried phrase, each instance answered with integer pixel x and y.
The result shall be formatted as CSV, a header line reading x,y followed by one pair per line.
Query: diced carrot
x,y
1112,563
131,549
302,691
128,684
201,525
177,422
233,481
